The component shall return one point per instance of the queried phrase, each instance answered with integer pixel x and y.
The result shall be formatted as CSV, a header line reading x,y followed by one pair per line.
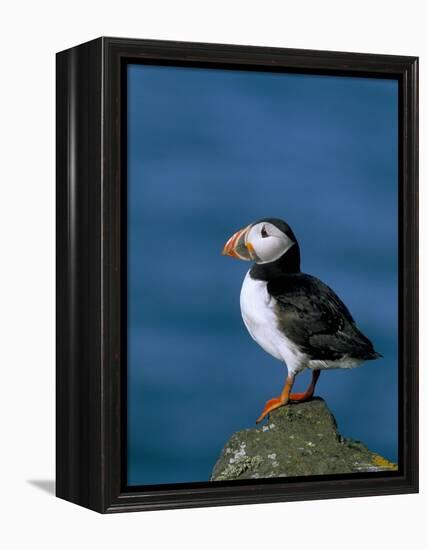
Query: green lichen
x,y
233,471
300,439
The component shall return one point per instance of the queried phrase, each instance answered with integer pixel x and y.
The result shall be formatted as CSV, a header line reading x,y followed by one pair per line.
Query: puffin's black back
x,y
312,315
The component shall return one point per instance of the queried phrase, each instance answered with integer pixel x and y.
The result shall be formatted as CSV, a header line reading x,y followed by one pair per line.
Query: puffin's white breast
x,y
258,313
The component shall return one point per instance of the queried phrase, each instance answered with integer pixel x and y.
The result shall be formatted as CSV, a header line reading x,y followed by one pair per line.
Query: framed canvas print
x,y
236,275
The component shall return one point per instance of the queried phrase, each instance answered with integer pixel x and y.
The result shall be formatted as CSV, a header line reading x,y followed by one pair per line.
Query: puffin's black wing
x,y
312,316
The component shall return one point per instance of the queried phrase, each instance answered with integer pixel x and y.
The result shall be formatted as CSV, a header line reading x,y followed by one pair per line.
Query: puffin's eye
x,y
264,232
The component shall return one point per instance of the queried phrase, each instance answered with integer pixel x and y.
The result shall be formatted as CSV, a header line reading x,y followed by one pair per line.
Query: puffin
x,y
293,316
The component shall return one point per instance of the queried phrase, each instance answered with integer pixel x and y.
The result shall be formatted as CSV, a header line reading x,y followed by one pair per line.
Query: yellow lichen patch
x,y
383,463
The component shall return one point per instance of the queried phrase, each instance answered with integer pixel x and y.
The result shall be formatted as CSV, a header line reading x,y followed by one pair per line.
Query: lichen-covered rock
x,y
299,439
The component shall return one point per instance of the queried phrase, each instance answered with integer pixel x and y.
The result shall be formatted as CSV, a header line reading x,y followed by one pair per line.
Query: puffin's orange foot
x,y
309,393
300,397
270,406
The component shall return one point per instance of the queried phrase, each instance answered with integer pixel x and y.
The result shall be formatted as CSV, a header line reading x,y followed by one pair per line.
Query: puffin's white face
x,y
266,243
262,242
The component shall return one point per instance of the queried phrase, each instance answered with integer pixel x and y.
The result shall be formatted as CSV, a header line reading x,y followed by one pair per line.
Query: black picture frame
x,y
91,269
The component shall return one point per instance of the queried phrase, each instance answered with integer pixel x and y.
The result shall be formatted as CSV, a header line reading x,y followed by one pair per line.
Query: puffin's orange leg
x,y
277,402
308,394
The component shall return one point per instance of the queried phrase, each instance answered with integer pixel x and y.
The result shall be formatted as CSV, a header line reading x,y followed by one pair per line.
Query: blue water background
x,y
209,152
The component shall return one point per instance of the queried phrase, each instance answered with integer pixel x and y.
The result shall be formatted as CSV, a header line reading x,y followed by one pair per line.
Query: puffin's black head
x,y
266,241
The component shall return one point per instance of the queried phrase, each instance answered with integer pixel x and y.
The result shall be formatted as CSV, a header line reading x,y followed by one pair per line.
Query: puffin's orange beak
x,y
237,247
